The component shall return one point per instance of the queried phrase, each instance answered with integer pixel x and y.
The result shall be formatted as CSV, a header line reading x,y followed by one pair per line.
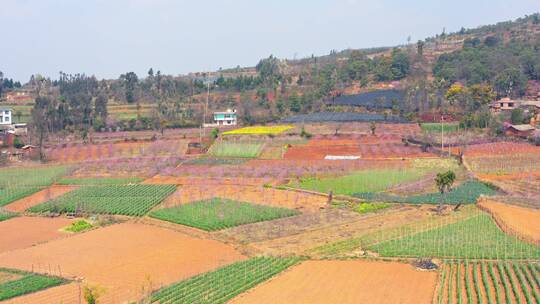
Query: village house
x,y
504,104
6,116
523,131
226,118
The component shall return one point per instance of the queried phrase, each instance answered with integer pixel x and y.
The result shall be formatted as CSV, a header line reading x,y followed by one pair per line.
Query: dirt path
x,y
514,220
345,282
301,242
22,232
39,197
124,258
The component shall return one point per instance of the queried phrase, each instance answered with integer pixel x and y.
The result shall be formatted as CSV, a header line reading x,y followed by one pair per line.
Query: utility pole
x,y
442,133
206,105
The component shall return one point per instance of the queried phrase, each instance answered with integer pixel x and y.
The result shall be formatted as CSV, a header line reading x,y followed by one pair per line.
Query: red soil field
x,y
318,149
122,259
499,148
22,232
38,198
345,282
520,221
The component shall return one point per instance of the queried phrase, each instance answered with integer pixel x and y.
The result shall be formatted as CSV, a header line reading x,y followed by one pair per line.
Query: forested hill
x,y
471,66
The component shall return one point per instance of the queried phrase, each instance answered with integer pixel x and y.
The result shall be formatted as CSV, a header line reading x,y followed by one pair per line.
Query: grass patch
x,y
99,181
215,214
236,149
132,200
78,226
477,237
360,182
225,283
259,130
363,208
24,283
436,127
466,193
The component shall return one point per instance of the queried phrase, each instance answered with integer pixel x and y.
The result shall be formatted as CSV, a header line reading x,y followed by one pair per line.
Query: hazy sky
x,y
109,37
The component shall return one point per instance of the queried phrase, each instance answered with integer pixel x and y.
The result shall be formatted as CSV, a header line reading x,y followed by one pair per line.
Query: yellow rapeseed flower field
x,y
259,130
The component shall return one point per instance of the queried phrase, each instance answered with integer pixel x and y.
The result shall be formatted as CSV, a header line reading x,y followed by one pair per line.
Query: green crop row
x,y
237,149
9,195
30,177
215,214
482,282
6,215
466,193
476,237
99,181
132,200
360,182
24,283
223,284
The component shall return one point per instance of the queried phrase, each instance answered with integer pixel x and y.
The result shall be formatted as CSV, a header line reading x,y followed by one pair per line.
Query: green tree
x,y
511,82
129,82
40,121
444,182
516,116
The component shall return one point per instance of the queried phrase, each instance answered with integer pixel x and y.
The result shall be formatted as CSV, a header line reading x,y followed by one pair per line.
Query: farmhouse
x,y
504,104
227,118
5,116
520,130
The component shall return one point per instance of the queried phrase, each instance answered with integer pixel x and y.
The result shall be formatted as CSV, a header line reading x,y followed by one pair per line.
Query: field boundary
x,y
506,228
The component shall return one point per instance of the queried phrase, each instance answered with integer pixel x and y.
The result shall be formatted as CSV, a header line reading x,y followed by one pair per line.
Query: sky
x,y
106,38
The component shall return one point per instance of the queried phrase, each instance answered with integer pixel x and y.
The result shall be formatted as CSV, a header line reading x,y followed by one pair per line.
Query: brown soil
x,y
38,198
124,258
515,220
22,232
499,148
346,282
258,195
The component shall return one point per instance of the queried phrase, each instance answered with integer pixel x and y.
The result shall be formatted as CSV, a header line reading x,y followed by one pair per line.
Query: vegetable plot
x,y
14,283
236,149
466,193
132,200
215,214
489,283
17,183
223,284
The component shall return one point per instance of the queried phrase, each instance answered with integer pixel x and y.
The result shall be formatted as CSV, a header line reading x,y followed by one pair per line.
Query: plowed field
x,y
345,282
